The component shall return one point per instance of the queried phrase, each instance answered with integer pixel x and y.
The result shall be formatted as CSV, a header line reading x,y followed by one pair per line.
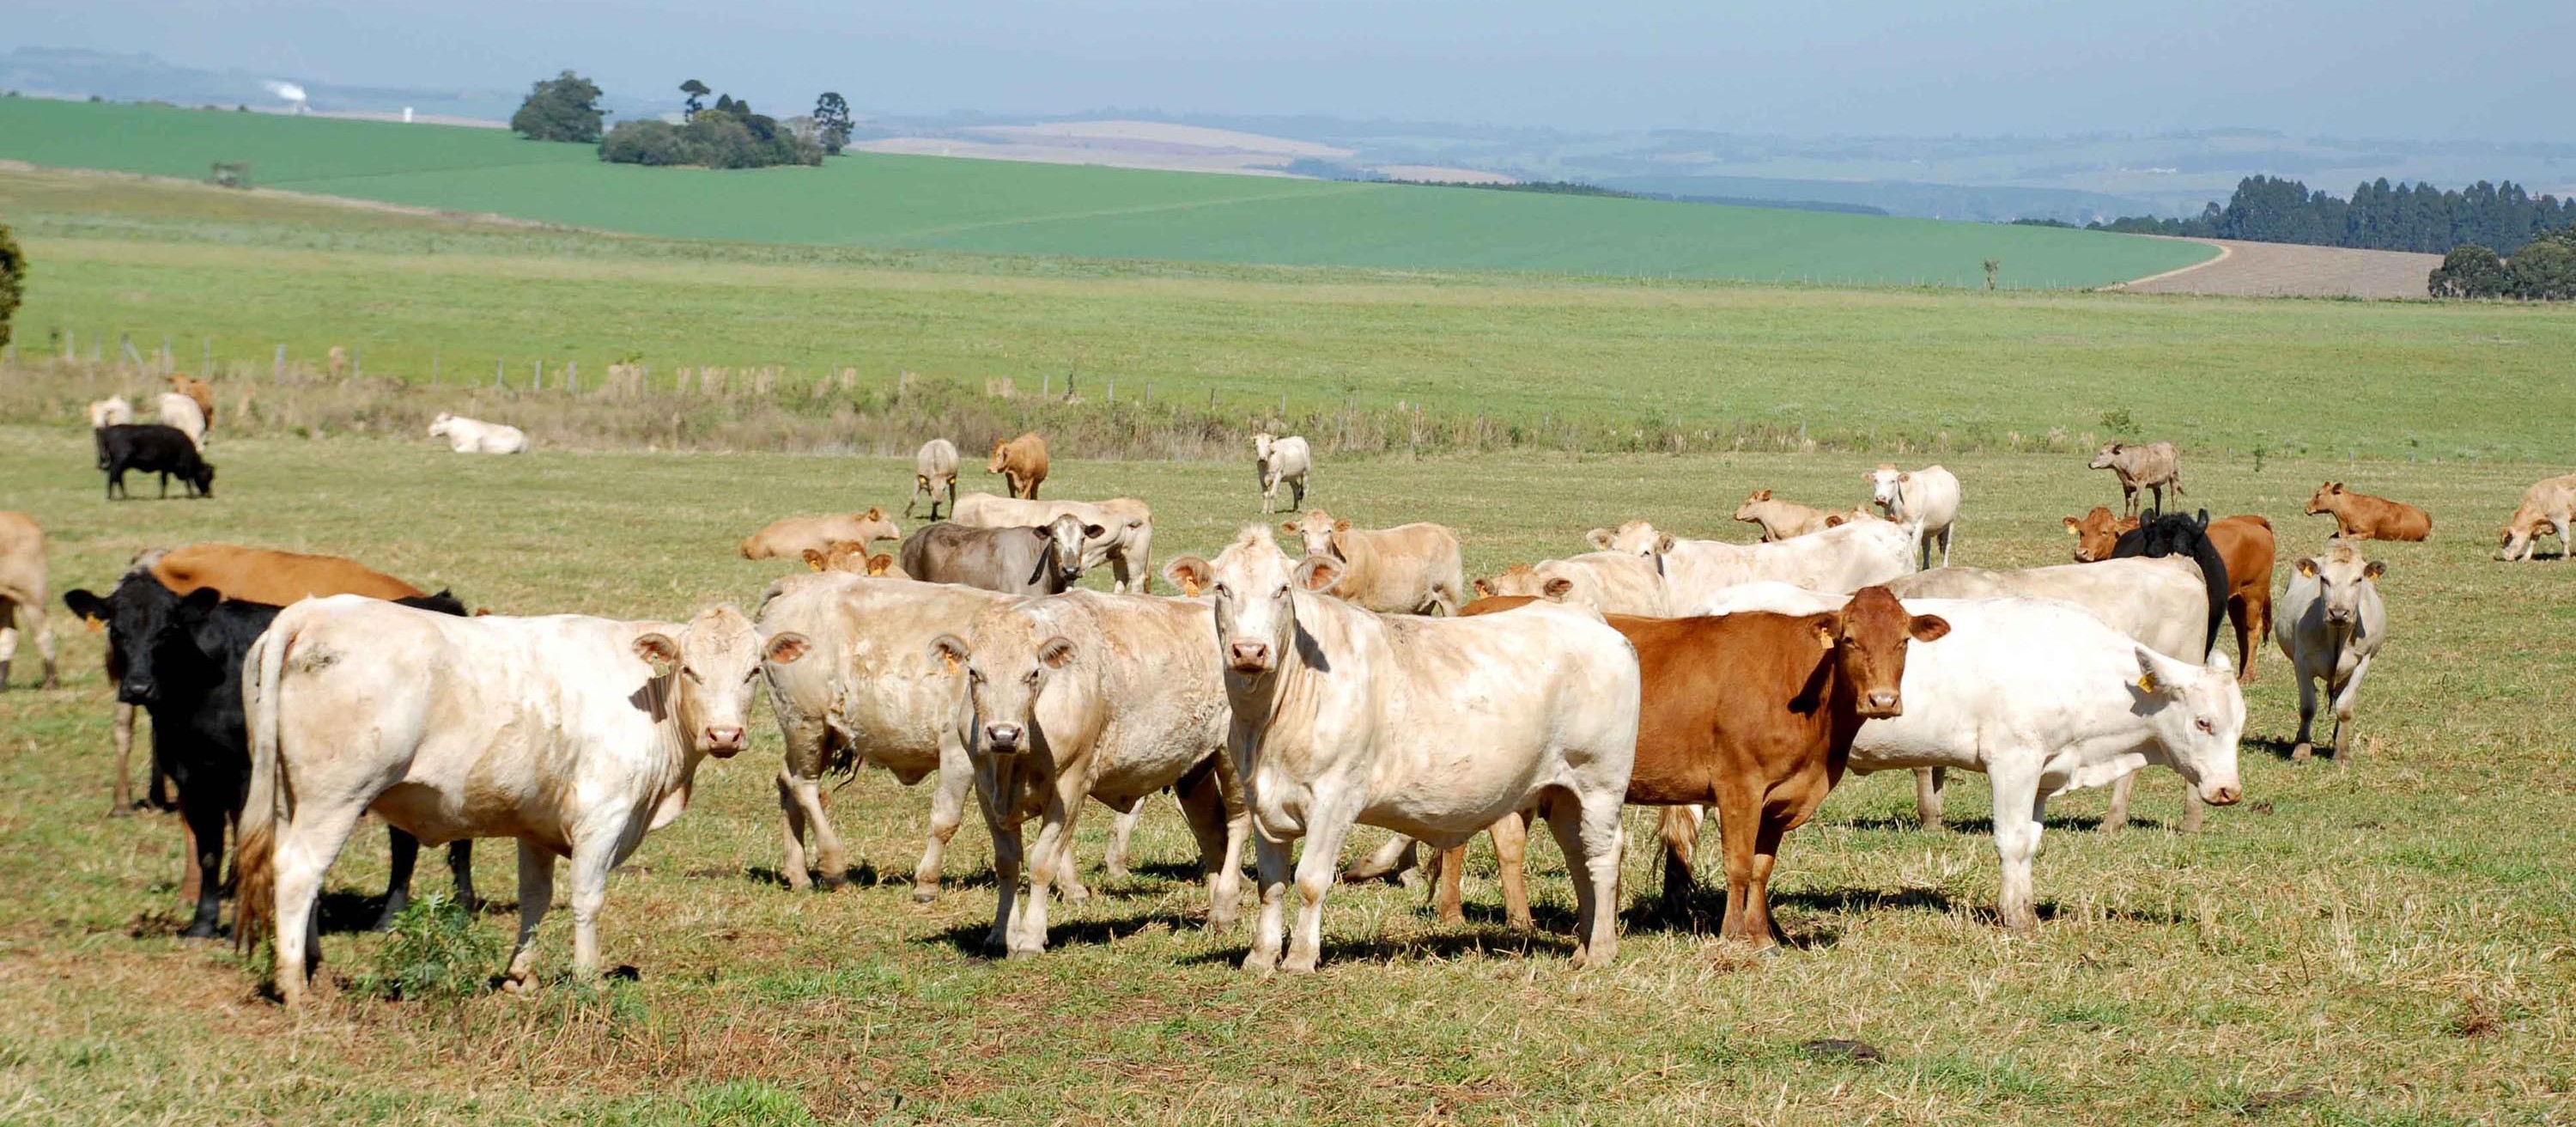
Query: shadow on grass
x,y
1447,943
968,938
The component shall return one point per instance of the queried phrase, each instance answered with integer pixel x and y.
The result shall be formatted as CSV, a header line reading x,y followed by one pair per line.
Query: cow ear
x,y
1828,629
1190,573
1929,628
1599,538
1056,653
1341,526
659,651
2074,527
1317,573
1760,495
880,564
814,559
2307,567
1289,526
1557,589
2374,569
949,650
85,605
2155,673
1093,532
1664,544
874,512
1484,588
1905,477
785,649
1836,520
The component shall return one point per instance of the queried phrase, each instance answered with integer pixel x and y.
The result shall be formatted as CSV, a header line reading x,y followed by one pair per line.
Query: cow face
x,y
1254,585
2327,496
1008,666
1521,581
438,427
1314,532
145,631
1064,537
1748,511
999,445
1885,484
2341,575
2106,457
707,671
1867,639
1261,446
2197,713
204,479
2516,541
2097,533
1635,538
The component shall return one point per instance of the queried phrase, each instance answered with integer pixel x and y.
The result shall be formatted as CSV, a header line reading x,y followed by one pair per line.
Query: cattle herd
x,y
1353,678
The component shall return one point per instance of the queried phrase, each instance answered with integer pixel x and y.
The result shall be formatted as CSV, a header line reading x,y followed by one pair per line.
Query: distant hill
x,y
77,74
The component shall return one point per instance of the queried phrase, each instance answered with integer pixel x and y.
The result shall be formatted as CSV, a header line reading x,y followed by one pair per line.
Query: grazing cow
x,y
2150,465
1607,582
575,735
1042,560
1113,697
1126,543
1408,569
2043,698
1928,497
474,436
934,475
22,593
1022,462
2549,506
180,659
2333,626
852,557
1780,520
792,536
112,411
1279,460
1433,728
2360,516
1839,560
199,391
181,413
154,448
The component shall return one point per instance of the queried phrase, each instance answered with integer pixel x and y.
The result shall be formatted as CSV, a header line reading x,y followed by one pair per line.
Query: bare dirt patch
x,y
2285,270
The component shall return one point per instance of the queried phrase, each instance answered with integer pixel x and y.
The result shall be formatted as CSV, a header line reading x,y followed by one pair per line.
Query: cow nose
x,y
134,692
2339,614
724,741
1883,702
2224,796
1002,737
1251,657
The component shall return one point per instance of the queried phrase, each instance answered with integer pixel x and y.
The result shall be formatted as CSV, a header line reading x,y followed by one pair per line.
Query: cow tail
x,y
255,864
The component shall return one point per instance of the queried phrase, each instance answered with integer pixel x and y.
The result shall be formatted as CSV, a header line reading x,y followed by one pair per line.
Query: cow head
x,y
1526,582
2106,457
1636,538
203,477
145,629
1255,585
1261,446
2516,541
2341,576
1314,532
1867,642
1747,512
2096,533
1008,665
999,446
2197,713
838,555
438,427
2326,498
1885,486
705,675
1062,560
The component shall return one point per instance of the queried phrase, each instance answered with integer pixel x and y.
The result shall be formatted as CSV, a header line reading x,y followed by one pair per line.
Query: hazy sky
x,y
2483,69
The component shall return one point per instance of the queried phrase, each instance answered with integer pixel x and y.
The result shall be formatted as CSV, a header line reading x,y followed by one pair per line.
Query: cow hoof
x,y
1254,963
120,810
200,930
924,895
2303,753
1019,953
521,985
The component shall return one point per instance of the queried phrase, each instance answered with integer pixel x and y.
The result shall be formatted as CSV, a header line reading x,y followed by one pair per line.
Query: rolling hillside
x,y
941,204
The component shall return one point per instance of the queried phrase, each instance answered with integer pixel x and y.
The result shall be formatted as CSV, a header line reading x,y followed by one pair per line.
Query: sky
x,y
2492,70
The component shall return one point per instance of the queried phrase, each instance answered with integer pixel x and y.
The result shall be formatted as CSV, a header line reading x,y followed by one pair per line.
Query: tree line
x,y
728,134
2379,216
2544,269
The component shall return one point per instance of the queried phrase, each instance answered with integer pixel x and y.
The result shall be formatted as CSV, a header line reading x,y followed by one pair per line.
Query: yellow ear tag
x,y
2147,683
1824,639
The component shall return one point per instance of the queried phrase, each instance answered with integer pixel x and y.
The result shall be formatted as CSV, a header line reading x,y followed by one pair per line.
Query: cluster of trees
x,y
562,108
2544,269
728,134
2416,217
13,279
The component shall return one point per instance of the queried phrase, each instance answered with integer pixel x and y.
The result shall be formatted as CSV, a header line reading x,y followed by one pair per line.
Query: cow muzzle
x,y
1004,739
1880,704
1249,657
2338,614
724,742
2222,794
135,692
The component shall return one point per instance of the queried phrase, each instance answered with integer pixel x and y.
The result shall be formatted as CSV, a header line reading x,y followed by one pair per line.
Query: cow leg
x,y
2194,811
1776,823
1270,867
1679,827
952,500
2017,830
1587,829
2344,699
2304,749
1511,856
947,809
1297,493
406,853
304,845
920,485
1449,882
1947,532
593,858
1739,828
1317,871
1928,782
192,872
2242,614
1113,861
1396,858
1050,859
1220,836
206,855
2117,817
460,864
792,815
536,894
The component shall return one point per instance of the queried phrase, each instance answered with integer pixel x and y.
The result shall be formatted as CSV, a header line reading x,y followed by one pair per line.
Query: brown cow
x,y
2244,541
1022,462
789,537
1752,713
2360,516
22,593
852,557
1781,520
199,390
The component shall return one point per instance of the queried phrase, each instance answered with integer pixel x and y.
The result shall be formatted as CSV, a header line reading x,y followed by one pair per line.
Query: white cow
x,y
2330,626
1607,582
1281,460
2043,698
574,735
183,413
1431,727
1113,697
1126,541
934,475
1839,560
1928,497
474,436
112,411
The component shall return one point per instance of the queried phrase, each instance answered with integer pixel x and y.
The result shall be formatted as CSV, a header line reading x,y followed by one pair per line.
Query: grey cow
x,y
934,472
2141,465
2330,625
1041,560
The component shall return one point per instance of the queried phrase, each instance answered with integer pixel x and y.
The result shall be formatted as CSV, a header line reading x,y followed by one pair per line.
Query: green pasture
x,y
932,203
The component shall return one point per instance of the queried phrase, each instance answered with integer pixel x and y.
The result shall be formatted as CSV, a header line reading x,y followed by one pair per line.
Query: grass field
x,y
886,201
2384,943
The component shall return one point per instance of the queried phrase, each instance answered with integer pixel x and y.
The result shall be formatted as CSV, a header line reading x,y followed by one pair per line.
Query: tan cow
x,y
934,475
1608,582
1022,462
1839,560
2332,627
2360,516
1408,569
1125,543
853,558
1781,520
199,390
2148,465
791,536
2549,506
22,593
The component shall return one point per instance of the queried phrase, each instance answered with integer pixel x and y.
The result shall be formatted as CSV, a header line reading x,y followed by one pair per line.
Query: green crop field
x,y
1011,208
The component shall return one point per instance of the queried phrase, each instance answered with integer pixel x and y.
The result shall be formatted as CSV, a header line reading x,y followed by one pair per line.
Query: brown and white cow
x,y
1408,569
2548,507
1780,520
22,594
1839,560
1022,462
2360,516
199,391
2153,466
1125,542
1431,727
789,537
934,475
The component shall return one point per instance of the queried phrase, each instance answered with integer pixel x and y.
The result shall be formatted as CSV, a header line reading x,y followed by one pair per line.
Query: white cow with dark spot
x,y
2330,624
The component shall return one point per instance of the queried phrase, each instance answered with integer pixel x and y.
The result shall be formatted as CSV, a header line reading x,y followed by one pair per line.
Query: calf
x,y
2151,466
1408,569
2549,506
180,659
934,474
1278,461
1431,727
1606,582
22,593
852,557
793,536
1928,497
1112,697
1839,560
2333,626
474,436
1014,561
182,414
1126,542
154,448
1780,520
575,735
199,392
1022,462
2360,516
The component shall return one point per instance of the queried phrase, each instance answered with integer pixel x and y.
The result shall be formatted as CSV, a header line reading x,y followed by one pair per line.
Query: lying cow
x,y
1022,462
1014,561
1431,727
1407,569
154,448
792,536
182,414
844,555
2332,625
1606,582
1928,497
1110,697
2548,507
1839,560
2360,516
575,735
1126,542
934,474
474,436
22,594
1280,461
2152,466
1780,520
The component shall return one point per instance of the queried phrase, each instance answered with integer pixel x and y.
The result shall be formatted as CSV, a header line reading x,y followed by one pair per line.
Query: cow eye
x,y
747,677
1224,592
692,675
1281,593
975,676
1032,678
2203,724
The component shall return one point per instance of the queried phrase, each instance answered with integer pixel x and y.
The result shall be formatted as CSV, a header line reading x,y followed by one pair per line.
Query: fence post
x,y
357,363
537,382
433,367
277,370
496,373
572,377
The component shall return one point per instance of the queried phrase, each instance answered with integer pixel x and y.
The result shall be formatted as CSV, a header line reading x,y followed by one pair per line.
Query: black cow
x,y
153,448
182,662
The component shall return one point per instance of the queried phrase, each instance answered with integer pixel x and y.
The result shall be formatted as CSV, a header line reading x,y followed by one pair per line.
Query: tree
x,y
2543,271
13,279
563,108
725,135
832,123
2468,271
696,90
